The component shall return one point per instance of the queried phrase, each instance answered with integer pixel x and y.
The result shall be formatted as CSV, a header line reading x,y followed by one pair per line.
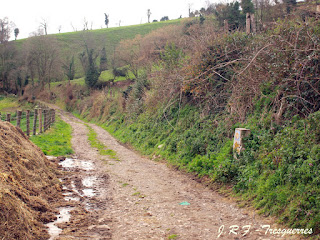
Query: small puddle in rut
x,y
69,164
64,216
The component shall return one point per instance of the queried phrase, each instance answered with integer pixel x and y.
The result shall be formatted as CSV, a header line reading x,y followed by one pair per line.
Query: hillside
x,y
199,89
72,43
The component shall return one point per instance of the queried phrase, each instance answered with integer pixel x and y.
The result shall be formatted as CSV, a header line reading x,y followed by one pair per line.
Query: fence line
x,y
46,119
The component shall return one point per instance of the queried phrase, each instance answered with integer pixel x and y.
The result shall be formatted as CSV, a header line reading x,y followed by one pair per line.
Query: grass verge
x,y
56,141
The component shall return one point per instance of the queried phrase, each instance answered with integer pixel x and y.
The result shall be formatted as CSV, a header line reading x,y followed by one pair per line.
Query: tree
x,y
106,20
290,4
69,68
16,33
7,54
5,29
85,24
230,12
92,72
43,58
88,61
103,60
128,54
247,6
44,26
148,14
165,18
202,18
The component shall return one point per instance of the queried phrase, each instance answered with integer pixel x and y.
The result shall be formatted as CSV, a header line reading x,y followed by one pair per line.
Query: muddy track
x,y
138,198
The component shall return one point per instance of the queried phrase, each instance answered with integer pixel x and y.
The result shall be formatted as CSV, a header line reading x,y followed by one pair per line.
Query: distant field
x,y
72,42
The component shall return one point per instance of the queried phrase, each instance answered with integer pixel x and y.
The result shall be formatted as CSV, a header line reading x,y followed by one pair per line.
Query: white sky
x,y
27,14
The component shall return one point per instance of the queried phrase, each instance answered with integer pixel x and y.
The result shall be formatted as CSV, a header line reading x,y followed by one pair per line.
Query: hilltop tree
x,y
148,14
85,24
16,33
106,20
165,18
44,26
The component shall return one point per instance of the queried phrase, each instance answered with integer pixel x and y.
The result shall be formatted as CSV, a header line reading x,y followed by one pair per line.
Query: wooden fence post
x,y
28,122
19,118
40,120
35,122
8,117
44,120
51,117
48,118
54,115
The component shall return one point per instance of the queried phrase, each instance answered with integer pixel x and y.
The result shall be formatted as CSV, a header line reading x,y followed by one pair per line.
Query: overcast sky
x,y
28,14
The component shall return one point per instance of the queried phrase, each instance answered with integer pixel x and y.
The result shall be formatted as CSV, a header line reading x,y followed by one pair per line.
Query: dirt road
x,y
134,197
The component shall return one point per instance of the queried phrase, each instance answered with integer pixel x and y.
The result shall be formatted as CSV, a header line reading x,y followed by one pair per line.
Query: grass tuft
x,y
94,142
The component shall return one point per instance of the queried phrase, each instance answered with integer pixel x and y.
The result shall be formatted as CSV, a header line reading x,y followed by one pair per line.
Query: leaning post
x,y
28,122
35,122
40,120
8,119
19,118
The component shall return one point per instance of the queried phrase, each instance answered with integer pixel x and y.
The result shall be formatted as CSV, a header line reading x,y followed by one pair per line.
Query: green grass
x,y
104,77
8,102
173,236
11,104
71,43
79,81
94,142
56,141
108,76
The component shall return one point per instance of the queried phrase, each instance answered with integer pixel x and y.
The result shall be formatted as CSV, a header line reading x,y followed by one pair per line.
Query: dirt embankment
x,y
29,187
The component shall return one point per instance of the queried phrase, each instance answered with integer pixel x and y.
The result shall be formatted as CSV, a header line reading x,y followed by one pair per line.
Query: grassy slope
x,y
72,42
110,37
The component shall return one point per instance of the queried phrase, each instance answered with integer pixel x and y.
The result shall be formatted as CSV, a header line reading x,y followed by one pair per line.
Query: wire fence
x,y
35,121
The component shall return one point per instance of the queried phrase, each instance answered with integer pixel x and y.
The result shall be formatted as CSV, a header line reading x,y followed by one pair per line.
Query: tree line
x,y
38,61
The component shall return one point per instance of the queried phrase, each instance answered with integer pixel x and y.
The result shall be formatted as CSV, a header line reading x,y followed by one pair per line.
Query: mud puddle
x,y
63,216
79,191
76,163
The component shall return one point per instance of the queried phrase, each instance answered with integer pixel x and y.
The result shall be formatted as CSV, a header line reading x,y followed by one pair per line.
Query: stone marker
x,y
239,134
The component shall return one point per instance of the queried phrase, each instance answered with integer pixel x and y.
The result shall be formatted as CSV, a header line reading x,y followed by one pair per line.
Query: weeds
x,y
94,142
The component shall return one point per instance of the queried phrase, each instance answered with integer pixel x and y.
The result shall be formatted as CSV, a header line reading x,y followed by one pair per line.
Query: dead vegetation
x,y
29,187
